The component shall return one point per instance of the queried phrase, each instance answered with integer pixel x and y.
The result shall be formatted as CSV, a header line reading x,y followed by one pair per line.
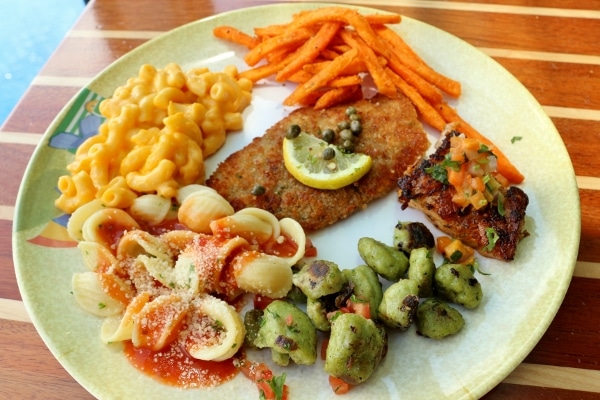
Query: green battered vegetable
x,y
319,278
316,311
252,321
457,284
356,346
421,270
366,286
436,319
412,235
386,260
289,333
399,304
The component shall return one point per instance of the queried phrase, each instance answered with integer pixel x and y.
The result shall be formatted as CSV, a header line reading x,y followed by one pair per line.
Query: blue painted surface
x,y
30,31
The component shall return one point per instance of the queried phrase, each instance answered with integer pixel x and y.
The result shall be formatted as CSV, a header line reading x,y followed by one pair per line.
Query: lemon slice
x,y
303,158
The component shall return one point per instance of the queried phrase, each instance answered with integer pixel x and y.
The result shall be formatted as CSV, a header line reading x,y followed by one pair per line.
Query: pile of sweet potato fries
x,y
329,51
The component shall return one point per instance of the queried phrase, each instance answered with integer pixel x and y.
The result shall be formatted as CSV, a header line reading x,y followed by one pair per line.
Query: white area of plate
x,y
521,297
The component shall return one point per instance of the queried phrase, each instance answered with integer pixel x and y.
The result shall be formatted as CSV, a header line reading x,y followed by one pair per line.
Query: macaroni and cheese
x,y
159,128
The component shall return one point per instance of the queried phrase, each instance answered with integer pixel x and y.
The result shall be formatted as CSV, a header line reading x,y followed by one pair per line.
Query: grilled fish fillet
x,y
391,135
419,190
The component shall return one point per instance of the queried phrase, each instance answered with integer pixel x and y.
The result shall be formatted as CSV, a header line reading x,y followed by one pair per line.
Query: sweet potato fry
x,y
263,71
347,80
309,50
383,19
344,15
505,167
381,79
290,39
270,31
301,76
320,79
427,90
236,36
409,58
428,113
338,95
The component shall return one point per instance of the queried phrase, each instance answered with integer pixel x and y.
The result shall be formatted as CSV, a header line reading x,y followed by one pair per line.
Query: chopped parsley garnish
x,y
492,237
515,139
439,172
457,255
277,384
483,149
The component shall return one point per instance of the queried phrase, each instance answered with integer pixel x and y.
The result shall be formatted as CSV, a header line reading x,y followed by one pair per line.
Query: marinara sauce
x,y
175,367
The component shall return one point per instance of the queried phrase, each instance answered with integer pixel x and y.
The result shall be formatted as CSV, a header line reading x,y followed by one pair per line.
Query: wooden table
x,y
551,46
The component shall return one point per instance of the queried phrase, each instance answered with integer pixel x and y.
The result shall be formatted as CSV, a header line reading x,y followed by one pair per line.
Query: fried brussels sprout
x,y
421,269
356,347
366,286
319,278
399,304
436,319
412,235
386,260
457,284
289,333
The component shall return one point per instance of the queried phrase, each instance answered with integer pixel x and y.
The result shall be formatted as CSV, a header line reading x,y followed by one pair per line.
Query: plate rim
x,y
479,390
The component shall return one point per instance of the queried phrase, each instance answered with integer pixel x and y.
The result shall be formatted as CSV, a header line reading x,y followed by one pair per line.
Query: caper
x,y
351,110
343,125
258,190
328,153
356,127
354,117
348,146
346,134
293,131
328,135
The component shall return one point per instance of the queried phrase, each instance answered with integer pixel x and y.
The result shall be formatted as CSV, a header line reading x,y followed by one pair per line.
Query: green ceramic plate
x,y
521,297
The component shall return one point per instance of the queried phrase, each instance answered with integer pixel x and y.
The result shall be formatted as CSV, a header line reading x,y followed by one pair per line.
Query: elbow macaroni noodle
x,y
159,128
147,286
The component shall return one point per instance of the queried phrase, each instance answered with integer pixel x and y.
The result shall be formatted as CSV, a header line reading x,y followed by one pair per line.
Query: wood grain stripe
x,y
588,182
111,34
541,56
587,270
572,113
7,213
556,377
20,137
61,81
477,7
13,310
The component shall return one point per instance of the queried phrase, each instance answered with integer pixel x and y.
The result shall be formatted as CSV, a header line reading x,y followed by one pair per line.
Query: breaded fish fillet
x,y
391,135
418,189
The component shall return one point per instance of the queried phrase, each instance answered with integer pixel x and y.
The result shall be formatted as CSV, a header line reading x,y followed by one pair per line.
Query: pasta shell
x,y
291,228
117,328
91,296
107,225
95,256
250,227
158,322
200,208
263,274
151,208
217,331
79,216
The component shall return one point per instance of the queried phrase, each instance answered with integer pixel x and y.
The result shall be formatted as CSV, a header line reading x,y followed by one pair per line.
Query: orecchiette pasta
x,y
159,128
157,289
